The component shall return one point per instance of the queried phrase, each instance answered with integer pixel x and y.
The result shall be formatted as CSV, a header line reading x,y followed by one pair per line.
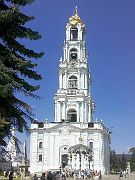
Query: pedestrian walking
x,y
121,174
35,177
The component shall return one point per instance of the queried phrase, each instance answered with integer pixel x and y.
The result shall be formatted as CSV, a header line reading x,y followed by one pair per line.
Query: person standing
x,y
100,175
42,177
35,177
49,176
11,176
121,174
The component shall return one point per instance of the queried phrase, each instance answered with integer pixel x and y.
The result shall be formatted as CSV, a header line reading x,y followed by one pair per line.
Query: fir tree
x,y
15,66
123,163
132,158
114,162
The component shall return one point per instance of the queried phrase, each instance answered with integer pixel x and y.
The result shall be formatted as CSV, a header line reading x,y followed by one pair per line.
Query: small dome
x,y
75,19
80,147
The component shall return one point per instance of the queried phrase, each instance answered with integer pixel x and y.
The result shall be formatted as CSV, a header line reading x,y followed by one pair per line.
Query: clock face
x,y
74,56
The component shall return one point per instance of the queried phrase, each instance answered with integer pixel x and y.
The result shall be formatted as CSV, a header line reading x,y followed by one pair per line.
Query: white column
x,y
86,85
79,33
58,112
82,161
89,117
65,80
67,34
78,112
82,80
82,114
64,52
60,80
85,112
78,79
45,150
60,109
55,104
64,111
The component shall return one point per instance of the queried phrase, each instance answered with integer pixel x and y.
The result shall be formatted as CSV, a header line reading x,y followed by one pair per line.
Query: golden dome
x,y
75,19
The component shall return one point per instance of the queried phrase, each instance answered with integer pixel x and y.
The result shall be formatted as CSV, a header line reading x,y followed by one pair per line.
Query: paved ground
x,y
114,177
108,177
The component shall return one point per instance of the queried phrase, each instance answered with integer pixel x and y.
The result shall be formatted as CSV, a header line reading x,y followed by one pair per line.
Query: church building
x,y
74,140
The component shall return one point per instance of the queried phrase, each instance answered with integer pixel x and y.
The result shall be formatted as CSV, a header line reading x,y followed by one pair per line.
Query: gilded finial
x,y
76,11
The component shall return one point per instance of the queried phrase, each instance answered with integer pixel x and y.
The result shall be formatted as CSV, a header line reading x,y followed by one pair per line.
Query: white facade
x,y
74,140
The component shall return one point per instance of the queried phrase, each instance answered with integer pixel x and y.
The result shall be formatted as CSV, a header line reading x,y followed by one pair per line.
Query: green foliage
x,y
132,158
123,163
114,162
16,67
117,162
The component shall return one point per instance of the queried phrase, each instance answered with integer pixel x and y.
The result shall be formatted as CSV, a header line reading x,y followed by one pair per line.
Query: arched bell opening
x,y
73,34
72,82
72,115
73,54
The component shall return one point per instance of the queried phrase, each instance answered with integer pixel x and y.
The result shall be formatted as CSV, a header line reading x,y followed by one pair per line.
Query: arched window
x,y
74,34
91,145
72,83
40,157
73,54
72,115
40,145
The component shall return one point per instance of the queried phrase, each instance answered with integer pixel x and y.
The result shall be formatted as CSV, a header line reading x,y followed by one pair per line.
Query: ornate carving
x,y
72,65
65,130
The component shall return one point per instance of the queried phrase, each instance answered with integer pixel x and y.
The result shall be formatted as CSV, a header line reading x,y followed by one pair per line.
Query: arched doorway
x,y
72,115
64,160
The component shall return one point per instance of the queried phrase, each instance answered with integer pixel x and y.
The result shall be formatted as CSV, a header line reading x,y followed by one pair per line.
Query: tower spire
x,y
76,11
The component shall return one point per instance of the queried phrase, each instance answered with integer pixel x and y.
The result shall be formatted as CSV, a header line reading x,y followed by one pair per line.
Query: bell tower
x,y
73,100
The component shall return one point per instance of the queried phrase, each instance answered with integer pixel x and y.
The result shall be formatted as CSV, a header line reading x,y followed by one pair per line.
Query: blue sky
x,y
110,33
